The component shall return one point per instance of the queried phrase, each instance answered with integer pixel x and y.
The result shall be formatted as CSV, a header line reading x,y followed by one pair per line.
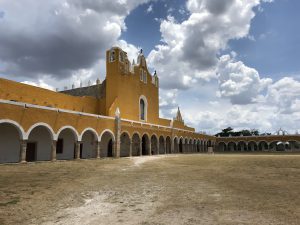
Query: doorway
x,y
31,152
110,149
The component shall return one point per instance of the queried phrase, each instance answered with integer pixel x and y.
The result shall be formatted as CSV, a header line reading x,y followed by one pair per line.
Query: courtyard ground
x,y
173,189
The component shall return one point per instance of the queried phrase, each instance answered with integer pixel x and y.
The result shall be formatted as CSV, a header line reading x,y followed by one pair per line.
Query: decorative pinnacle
x,y
117,113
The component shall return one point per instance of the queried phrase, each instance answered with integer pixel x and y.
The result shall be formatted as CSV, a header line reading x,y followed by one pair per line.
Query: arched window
x,y
143,108
141,75
121,57
112,55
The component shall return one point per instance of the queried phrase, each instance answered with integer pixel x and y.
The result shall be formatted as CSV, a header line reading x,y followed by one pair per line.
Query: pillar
x,y
165,146
77,150
150,149
98,149
141,147
117,144
130,148
157,147
53,150
23,151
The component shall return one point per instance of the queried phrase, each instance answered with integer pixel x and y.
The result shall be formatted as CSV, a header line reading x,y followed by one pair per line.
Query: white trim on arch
x,y
71,128
89,129
41,124
154,134
147,134
109,131
136,132
125,132
177,140
16,125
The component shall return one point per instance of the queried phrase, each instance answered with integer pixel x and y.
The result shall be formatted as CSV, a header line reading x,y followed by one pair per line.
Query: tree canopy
x,y
229,131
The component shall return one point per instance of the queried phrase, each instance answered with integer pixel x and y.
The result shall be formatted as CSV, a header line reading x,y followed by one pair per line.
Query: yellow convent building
x,y
116,118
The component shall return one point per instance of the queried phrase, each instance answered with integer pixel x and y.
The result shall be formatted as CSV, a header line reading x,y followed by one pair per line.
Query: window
x,y
59,146
121,57
143,108
145,77
141,75
112,55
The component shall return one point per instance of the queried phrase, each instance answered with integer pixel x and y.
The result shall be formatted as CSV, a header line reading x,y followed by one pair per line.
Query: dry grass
x,y
185,189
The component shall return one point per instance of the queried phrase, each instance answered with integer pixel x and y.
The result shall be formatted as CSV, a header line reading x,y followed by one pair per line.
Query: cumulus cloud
x,y
197,41
285,95
168,103
238,82
58,38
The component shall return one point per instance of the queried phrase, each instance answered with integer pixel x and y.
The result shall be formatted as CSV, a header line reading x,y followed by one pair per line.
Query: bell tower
x,y
127,84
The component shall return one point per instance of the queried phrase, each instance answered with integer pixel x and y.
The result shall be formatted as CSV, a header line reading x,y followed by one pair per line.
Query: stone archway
x,y
252,146
145,145
168,145
176,145
136,143
39,144
241,146
232,146
89,145
263,146
125,145
180,145
154,145
10,143
222,147
66,144
186,145
162,145
107,144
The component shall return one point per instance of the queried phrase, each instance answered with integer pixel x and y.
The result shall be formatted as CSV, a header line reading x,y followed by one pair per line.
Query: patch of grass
x,y
12,202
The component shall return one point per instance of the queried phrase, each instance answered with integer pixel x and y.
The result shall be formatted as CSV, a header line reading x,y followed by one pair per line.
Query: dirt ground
x,y
174,189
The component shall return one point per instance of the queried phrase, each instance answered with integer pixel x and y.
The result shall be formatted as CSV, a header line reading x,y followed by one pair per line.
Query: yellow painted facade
x,y
118,117
27,107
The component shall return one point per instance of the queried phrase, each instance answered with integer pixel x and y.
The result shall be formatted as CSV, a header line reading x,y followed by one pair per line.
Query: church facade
x,y
118,117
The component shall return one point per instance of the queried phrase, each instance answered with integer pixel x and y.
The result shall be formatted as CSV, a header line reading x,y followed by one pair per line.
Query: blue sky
x,y
225,63
274,51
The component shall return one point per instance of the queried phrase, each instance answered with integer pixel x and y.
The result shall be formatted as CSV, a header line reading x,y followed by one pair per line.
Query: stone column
x,y
117,144
23,149
53,150
130,148
172,137
98,149
165,147
141,147
252,147
158,147
150,149
77,150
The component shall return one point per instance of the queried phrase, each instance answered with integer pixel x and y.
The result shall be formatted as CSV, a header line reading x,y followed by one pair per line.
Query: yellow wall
x,y
10,90
124,90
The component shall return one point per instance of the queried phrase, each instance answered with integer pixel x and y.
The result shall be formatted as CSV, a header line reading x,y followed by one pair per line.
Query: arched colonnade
x,y
41,143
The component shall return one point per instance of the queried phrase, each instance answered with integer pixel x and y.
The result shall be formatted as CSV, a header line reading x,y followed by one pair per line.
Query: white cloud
x,y
40,83
150,9
59,39
239,83
189,57
285,95
197,41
